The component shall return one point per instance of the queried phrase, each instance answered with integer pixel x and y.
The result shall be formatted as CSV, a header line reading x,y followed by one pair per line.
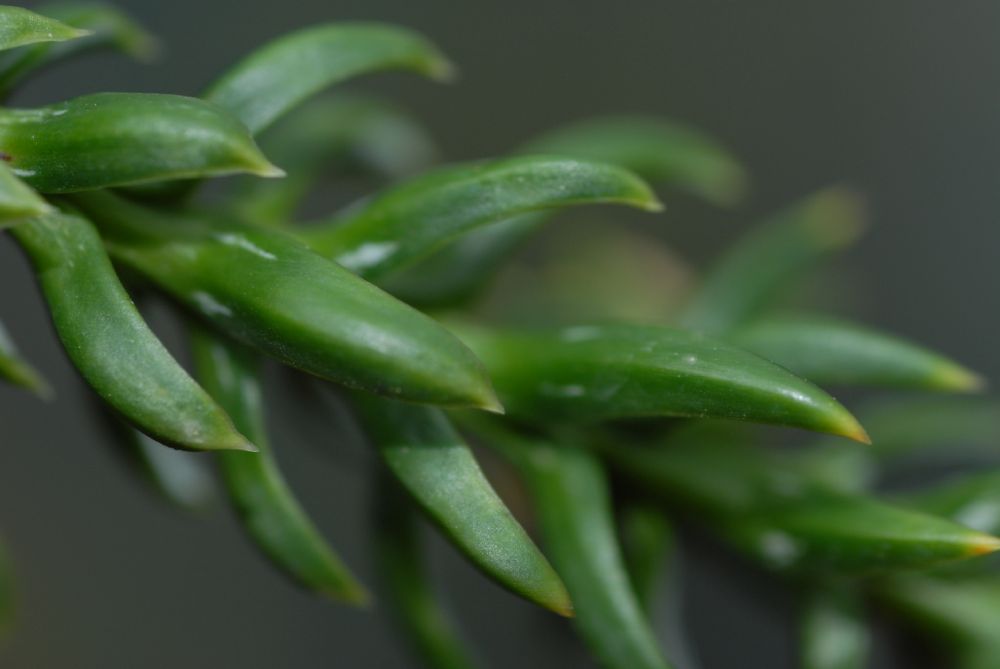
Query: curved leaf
x,y
109,343
437,468
16,370
268,511
17,201
832,631
413,605
656,149
20,27
100,26
571,498
116,139
768,509
282,73
764,263
346,133
832,351
411,220
266,289
591,373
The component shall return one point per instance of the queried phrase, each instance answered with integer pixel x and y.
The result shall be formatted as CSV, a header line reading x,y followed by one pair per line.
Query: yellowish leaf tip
x,y
242,444
653,204
269,170
984,545
491,403
442,70
956,378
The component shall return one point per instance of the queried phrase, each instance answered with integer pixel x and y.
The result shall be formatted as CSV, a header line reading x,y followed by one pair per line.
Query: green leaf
x,y
771,257
972,500
410,220
110,344
17,201
962,616
346,134
116,139
100,26
648,543
283,73
435,466
832,351
591,373
17,371
177,477
832,630
263,287
768,509
20,27
571,498
658,150
268,512
414,607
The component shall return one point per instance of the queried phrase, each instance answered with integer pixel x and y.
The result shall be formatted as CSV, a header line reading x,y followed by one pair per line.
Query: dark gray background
x,y
899,98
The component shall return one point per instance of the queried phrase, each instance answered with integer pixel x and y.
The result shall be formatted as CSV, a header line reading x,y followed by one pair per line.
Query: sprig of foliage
x,y
605,422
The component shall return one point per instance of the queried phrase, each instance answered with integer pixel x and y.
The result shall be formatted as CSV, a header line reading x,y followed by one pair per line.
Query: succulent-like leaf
x,y
351,134
17,201
832,630
111,345
572,500
286,71
409,221
116,139
269,513
179,478
972,500
428,629
591,373
99,25
832,351
658,150
764,263
786,521
15,370
268,290
20,27
435,466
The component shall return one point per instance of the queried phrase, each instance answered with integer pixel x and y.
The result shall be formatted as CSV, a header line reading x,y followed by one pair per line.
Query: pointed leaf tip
x,y
955,378
984,544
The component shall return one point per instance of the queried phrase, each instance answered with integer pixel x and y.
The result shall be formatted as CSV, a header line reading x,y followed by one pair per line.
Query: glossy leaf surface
x,y
265,288
409,221
20,27
416,611
436,467
765,263
573,505
116,139
269,513
281,74
110,344
590,373
832,351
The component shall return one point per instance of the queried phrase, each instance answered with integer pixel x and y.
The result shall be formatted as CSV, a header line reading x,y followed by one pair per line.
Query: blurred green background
x,y
899,99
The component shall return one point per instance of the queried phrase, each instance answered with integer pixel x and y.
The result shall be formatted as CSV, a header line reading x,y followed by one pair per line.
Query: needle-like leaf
x,y
411,220
116,139
20,27
270,514
763,264
435,466
592,373
832,351
283,73
265,288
